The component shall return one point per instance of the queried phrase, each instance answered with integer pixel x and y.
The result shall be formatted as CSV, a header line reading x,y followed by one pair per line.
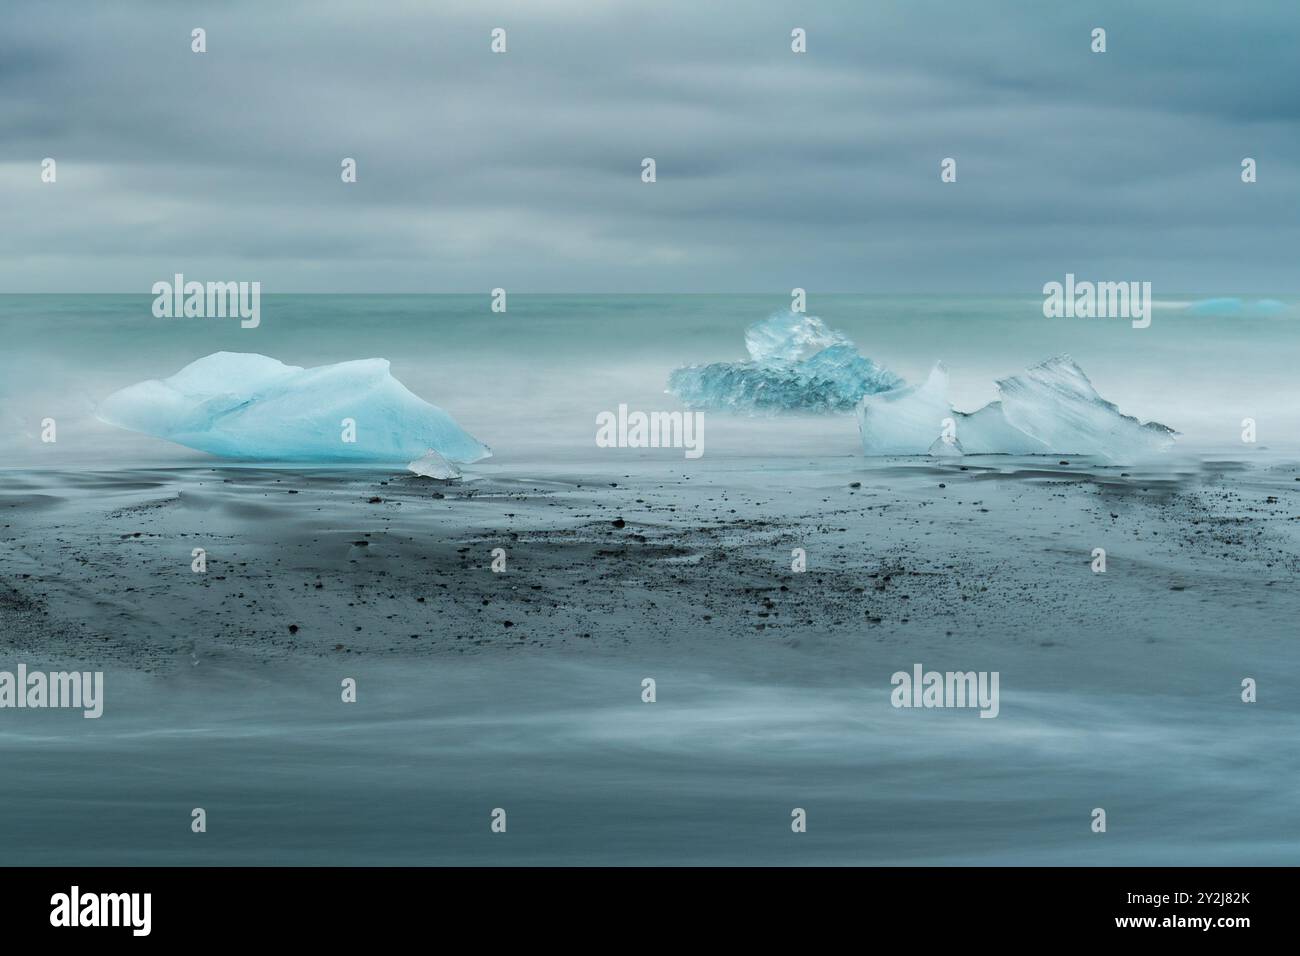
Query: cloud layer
x,y
774,169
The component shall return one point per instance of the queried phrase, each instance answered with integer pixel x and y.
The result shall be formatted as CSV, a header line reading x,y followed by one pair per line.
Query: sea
x,y
586,772
530,381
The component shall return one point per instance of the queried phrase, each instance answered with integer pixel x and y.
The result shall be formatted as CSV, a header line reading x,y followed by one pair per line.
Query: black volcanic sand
x,y
936,557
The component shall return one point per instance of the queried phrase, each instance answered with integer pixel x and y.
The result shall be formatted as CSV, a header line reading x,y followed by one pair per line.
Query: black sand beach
x,y
986,553
522,689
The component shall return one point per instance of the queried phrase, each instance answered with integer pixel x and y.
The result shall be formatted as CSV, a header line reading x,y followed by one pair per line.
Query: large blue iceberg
x,y
1052,408
798,365
249,406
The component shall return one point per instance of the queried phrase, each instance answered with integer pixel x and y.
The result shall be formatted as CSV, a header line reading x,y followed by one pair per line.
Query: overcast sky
x,y
775,170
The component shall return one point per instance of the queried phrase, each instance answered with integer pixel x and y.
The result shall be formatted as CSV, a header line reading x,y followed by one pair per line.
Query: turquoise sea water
x,y
529,382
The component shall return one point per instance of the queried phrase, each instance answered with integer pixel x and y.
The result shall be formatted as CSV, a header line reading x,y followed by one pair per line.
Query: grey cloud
x,y
774,169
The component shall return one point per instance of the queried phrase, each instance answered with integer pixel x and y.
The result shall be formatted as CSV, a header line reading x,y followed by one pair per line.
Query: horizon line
x,y
782,294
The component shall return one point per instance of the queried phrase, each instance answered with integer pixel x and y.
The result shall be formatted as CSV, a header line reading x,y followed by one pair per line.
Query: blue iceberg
x,y
797,365
240,405
1052,408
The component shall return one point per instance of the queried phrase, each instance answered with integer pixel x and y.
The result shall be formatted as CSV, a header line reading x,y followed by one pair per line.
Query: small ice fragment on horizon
x,y
1232,307
434,465
249,406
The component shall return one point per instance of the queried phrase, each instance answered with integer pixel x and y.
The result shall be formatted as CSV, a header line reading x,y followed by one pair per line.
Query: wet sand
x,y
981,554
522,688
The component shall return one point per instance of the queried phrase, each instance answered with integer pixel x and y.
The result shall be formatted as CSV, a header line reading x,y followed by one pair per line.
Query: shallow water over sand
x,y
589,774
522,689
1118,691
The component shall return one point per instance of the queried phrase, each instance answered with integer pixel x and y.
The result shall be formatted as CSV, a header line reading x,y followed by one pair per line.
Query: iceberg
x,y
244,405
1052,408
797,364
1055,403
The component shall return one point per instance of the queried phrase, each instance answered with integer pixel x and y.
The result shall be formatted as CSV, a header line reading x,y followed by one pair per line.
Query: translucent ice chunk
x,y
790,337
249,406
987,432
1055,403
1051,408
434,465
907,420
799,365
